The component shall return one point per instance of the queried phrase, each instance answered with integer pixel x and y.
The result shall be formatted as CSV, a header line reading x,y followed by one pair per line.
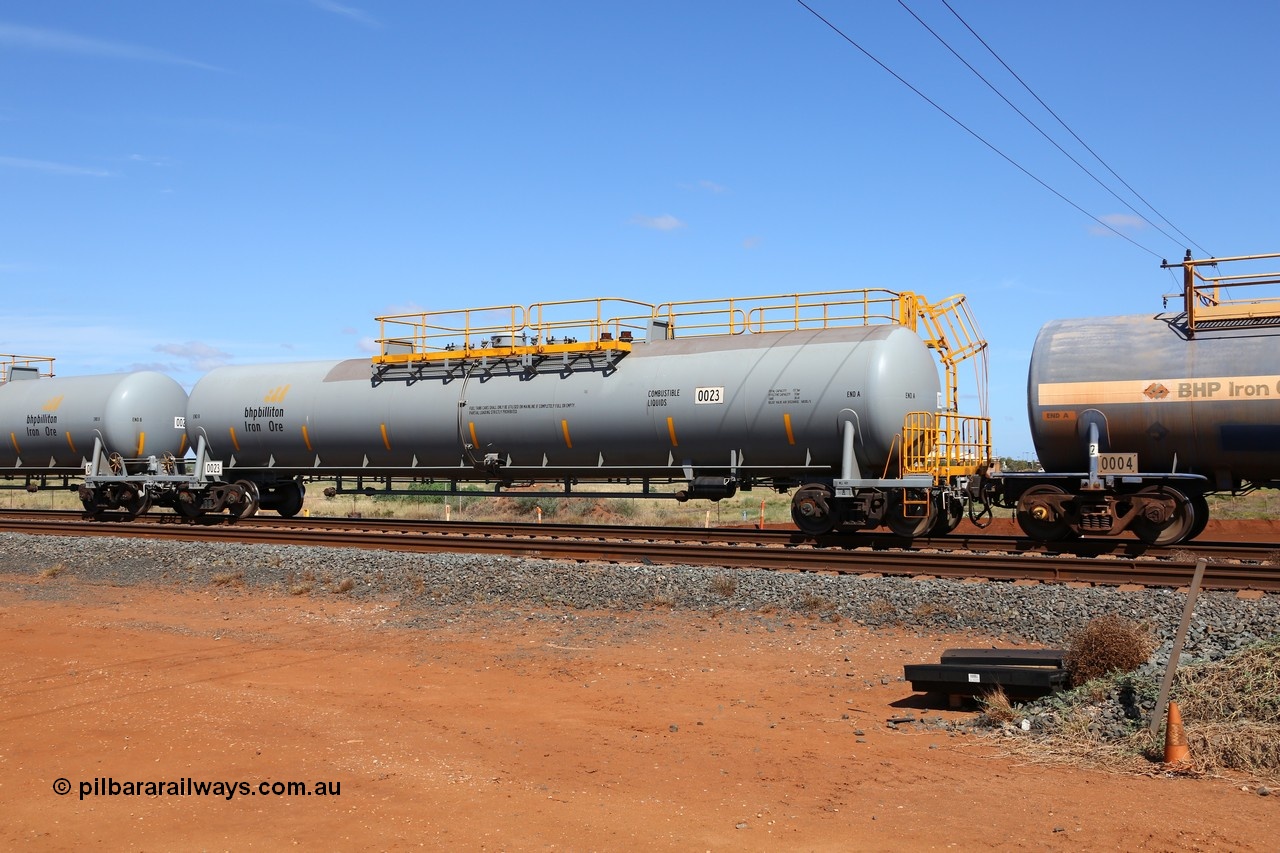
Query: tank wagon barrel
x,y
1136,419
834,394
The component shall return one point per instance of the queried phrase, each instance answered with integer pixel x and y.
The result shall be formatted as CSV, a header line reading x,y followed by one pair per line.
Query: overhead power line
x,y
1067,127
971,131
1037,127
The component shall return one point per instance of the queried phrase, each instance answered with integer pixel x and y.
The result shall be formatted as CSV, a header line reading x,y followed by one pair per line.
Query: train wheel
x,y
188,505
1176,528
896,516
290,495
134,502
1040,518
92,509
949,519
248,506
1200,507
812,510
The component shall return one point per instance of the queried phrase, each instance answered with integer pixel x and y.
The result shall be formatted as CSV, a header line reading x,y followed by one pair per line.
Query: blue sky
x,y
189,184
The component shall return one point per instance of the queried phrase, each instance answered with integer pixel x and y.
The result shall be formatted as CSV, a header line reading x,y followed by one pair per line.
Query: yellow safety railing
x,y
945,444
41,364
950,329
779,312
544,328
1252,297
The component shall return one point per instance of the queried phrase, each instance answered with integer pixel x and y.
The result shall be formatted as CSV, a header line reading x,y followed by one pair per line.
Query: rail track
x,y
1232,566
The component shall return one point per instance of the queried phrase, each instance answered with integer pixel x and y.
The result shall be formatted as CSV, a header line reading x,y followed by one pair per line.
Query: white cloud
x,y
357,15
52,168
402,308
1121,222
704,185
38,38
665,222
195,355
148,160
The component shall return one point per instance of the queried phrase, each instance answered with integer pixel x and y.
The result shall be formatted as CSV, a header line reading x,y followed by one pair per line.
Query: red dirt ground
x,y
512,730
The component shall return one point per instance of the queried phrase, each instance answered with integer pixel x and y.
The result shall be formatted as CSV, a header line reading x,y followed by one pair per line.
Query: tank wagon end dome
x,y
53,422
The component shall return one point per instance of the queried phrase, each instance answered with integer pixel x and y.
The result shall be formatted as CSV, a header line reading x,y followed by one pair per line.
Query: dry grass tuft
x,y
664,598
881,609
1247,747
235,579
996,708
928,609
1231,710
1105,645
301,589
53,571
812,603
724,585
1245,686
344,586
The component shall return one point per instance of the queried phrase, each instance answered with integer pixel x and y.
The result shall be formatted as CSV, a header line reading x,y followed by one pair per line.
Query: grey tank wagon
x,y
829,394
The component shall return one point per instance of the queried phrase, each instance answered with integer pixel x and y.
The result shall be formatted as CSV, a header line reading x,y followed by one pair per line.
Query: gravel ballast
x,y
1038,615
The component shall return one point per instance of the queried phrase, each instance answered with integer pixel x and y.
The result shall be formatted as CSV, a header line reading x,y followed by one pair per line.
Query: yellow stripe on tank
x,y
564,427
142,442
786,420
386,442
671,431
16,449
234,442
472,426
306,439
70,443
182,444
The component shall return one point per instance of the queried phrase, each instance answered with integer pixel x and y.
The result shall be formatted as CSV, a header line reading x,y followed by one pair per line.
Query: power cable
x,y
1075,136
972,132
1037,127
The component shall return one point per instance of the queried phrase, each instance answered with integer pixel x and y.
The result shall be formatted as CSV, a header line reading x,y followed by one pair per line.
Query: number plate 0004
x,y
1117,463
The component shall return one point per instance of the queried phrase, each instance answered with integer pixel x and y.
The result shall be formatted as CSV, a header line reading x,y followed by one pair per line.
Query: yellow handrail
x,y
1206,299
41,364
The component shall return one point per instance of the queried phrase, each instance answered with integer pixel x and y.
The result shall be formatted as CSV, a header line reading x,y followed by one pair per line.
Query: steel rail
x,y
1118,547
965,564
